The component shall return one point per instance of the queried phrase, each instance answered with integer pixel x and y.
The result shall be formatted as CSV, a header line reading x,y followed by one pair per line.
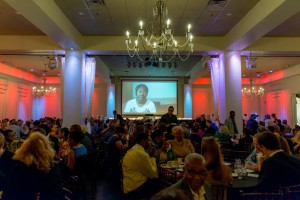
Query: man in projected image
x,y
140,104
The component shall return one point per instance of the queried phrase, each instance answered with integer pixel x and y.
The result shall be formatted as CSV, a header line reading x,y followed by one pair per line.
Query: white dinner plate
x,y
234,175
249,170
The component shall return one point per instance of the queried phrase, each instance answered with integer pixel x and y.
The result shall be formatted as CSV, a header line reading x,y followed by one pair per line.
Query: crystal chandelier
x,y
251,91
157,40
43,90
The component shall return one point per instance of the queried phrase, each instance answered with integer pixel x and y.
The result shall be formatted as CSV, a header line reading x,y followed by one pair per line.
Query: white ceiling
x,y
81,22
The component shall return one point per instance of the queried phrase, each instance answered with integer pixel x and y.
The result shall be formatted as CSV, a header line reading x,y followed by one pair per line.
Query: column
x,y
74,88
230,87
188,103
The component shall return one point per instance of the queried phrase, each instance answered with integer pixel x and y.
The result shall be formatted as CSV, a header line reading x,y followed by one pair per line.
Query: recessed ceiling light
x,y
58,74
31,70
244,75
270,71
18,13
81,13
72,49
258,75
228,14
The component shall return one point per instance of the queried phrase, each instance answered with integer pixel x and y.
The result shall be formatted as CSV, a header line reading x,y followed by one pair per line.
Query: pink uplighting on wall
x,y
203,81
202,101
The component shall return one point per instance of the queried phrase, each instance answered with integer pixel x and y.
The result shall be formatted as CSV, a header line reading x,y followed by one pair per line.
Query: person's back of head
x,y
269,140
171,194
75,127
36,151
141,137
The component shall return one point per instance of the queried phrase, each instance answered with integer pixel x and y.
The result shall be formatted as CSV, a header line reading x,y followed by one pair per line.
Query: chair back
x,y
219,192
261,196
291,192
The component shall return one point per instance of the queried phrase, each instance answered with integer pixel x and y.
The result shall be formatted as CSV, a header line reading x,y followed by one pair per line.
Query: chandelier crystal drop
x,y
157,41
43,90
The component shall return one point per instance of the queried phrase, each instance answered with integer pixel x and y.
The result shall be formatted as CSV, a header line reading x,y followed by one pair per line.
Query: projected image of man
x,y
140,104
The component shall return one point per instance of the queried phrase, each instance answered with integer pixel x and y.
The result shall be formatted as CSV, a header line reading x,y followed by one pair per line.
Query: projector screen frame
x,y
142,80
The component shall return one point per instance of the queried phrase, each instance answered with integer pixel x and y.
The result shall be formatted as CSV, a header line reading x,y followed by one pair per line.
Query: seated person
x,y
140,104
218,172
251,160
6,162
139,170
211,128
223,135
165,153
194,181
194,136
182,147
279,169
77,149
246,139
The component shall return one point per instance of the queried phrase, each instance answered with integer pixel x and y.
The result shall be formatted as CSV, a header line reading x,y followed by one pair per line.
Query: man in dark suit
x,y
169,117
118,117
279,168
193,183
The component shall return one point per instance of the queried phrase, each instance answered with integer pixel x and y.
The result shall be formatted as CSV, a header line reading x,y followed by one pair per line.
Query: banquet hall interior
x,y
79,48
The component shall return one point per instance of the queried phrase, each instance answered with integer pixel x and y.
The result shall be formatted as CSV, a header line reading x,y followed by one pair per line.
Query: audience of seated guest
x,y
116,148
267,120
245,140
4,124
202,122
296,142
223,135
279,169
54,139
287,128
186,131
16,128
87,139
11,143
137,130
261,127
281,126
76,148
109,131
252,124
194,136
218,172
251,160
158,138
139,170
182,147
193,183
211,128
165,153
64,148
35,171
6,162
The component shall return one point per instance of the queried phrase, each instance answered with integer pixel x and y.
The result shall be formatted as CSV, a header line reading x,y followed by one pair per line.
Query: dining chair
x,y
219,191
261,196
291,192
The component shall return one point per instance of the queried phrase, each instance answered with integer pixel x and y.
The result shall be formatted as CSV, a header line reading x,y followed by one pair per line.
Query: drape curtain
x,y
294,114
90,68
215,82
62,75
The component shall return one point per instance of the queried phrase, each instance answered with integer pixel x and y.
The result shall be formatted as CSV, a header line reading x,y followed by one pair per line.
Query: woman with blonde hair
x,y
181,146
218,172
35,173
